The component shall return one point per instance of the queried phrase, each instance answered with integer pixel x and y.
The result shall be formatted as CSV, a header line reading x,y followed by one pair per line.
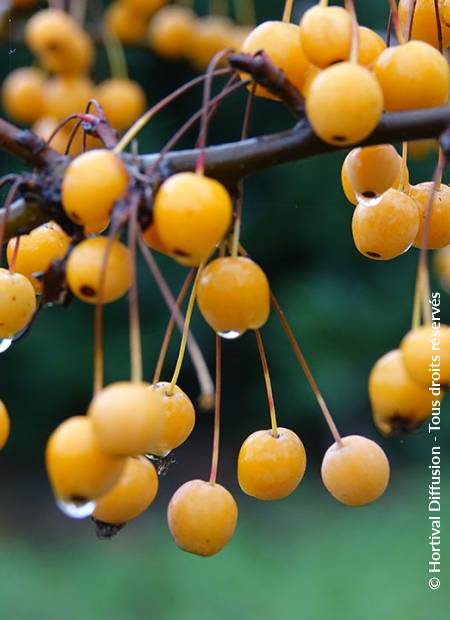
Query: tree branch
x,y
226,162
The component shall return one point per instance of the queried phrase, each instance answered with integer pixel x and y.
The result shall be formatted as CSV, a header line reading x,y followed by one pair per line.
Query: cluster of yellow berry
x,y
46,95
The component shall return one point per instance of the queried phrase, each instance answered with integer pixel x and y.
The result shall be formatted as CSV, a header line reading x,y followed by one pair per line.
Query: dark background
x,y
305,556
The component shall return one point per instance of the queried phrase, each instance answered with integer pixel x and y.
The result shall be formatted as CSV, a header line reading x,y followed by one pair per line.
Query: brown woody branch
x,y
229,162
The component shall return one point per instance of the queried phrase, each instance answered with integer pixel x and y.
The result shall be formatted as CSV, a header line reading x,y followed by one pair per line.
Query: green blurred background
x,y
306,556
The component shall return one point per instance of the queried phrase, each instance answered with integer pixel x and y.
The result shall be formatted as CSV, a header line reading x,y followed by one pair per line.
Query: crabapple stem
x,y
203,133
181,352
217,403
438,25
145,118
287,12
133,300
265,367
201,368
411,12
395,22
170,325
309,376
116,57
14,256
401,185
354,50
240,189
15,180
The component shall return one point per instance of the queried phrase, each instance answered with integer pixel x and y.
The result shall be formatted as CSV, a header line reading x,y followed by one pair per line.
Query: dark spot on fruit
x,y
373,254
339,138
87,291
179,252
369,194
75,216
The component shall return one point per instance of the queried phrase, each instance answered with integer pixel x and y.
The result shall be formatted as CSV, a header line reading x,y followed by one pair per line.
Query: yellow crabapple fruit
x,y
17,302
233,295
78,470
124,22
92,183
122,100
387,227
192,213
132,494
85,266
211,34
370,46
271,467
37,251
438,230
66,95
202,517
344,104
144,7
123,416
399,404
4,425
22,94
424,26
355,471
172,422
411,76
426,355
281,42
171,32
371,170
326,35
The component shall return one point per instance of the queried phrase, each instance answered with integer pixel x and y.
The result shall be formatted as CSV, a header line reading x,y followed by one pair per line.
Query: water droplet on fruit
x,y
230,335
5,343
368,201
76,509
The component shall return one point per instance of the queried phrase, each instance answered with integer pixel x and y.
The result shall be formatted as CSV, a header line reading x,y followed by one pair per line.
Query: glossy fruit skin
x,y
325,35
4,425
17,303
84,268
372,170
211,34
77,468
202,517
122,100
92,183
60,44
131,495
281,42
442,267
152,239
424,23
22,94
344,104
38,250
122,417
399,404
370,47
67,95
356,473
368,171
233,294
413,75
439,226
191,214
425,348
171,32
271,467
172,422
387,227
